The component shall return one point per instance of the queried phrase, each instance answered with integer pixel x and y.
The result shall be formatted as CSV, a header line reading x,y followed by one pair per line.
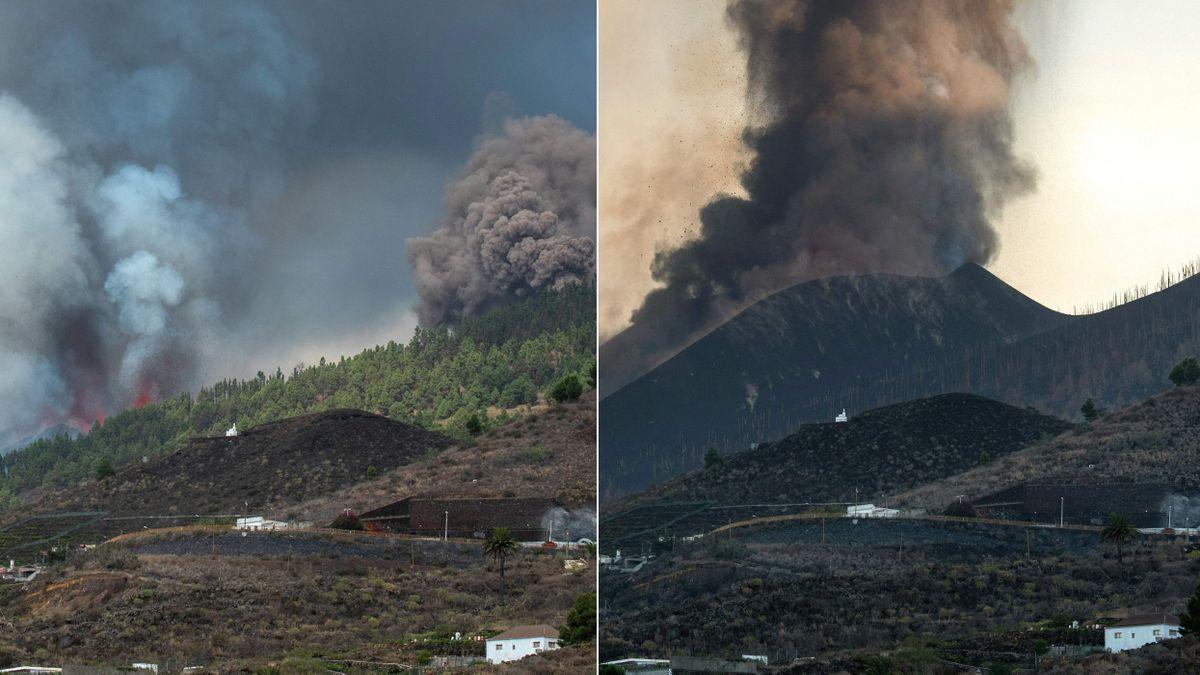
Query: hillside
x,y
501,361
268,466
785,361
312,467
197,593
874,454
855,593
1156,441
803,354
550,453
300,602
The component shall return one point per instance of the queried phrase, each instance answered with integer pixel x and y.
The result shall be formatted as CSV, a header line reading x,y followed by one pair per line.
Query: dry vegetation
x,y
789,596
550,453
1150,442
119,604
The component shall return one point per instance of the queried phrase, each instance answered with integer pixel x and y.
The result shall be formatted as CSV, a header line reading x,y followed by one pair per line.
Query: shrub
x,y
569,388
347,520
105,469
581,621
1185,373
474,425
712,458
962,510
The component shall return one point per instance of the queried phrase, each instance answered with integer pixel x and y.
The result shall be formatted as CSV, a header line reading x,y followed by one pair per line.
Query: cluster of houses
x,y
19,573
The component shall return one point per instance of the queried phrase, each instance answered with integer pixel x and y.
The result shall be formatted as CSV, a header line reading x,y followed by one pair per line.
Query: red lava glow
x,y
142,399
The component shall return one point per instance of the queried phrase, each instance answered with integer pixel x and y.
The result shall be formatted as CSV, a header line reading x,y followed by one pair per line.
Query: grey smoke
x,y
1184,510
520,217
197,190
881,141
575,523
116,248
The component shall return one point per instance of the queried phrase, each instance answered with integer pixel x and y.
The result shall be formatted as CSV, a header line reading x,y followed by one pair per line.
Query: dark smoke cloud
x,y
882,142
521,216
196,190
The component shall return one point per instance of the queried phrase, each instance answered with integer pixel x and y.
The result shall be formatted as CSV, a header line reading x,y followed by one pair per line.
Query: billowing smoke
x,y
570,525
521,216
881,141
1184,511
127,170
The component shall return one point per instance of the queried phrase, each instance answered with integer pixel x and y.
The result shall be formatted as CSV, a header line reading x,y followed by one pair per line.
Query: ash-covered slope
x,y
799,356
874,454
277,463
1152,443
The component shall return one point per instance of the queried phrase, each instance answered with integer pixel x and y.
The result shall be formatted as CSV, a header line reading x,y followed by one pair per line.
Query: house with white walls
x,y
1140,630
521,641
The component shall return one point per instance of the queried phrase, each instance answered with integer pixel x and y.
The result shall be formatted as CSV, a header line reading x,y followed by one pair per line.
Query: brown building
x,y
462,515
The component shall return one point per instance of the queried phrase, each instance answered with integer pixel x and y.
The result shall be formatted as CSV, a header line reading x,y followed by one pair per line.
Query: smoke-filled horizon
x,y
880,140
191,191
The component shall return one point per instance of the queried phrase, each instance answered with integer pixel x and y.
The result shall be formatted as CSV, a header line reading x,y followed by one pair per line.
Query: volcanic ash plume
x,y
521,216
881,142
127,168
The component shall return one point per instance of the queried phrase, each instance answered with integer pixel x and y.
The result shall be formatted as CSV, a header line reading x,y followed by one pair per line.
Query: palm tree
x,y
1118,531
499,545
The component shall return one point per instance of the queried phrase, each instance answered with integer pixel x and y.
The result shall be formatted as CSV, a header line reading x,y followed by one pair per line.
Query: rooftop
x,y
520,632
1147,620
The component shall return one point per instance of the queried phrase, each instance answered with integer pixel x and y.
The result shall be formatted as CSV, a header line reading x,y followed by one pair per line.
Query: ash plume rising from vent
x,y
521,216
128,170
881,141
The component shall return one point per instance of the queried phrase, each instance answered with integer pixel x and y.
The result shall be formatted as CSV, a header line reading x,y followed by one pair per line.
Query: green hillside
x,y
439,380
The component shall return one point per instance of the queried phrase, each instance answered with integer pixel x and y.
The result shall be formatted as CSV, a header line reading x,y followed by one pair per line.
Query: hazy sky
x,y
198,190
1108,117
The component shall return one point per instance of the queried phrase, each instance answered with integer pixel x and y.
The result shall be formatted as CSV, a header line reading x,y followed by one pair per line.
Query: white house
x,y
256,523
870,511
642,666
842,416
521,641
231,431
1140,630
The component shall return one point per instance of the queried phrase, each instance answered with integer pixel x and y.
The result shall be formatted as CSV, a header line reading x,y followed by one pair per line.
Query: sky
x,y
193,191
1106,117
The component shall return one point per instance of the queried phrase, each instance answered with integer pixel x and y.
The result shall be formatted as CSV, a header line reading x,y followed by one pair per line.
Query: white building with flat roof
x,y
1140,630
521,641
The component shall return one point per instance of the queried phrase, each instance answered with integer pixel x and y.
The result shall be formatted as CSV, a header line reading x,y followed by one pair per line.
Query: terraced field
x,y
24,539
645,521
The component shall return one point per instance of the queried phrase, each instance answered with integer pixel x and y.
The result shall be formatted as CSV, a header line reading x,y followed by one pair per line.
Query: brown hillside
x,y
273,464
1153,442
548,454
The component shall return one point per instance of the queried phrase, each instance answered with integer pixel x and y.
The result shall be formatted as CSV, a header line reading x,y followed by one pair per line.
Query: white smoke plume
x,y
127,170
571,525
520,217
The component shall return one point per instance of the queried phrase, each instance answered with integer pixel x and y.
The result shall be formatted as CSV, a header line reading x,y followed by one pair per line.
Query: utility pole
x,y
1061,510
446,528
